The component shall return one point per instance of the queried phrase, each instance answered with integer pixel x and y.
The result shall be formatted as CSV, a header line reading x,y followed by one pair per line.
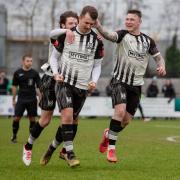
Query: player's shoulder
x,y
147,36
19,70
98,36
121,34
34,71
122,31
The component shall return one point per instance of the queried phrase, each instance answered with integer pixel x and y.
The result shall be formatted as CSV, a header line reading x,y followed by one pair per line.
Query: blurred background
x,y
25,26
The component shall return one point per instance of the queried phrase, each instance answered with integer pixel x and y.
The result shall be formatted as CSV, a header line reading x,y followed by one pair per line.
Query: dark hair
x,y
65,15
135,11
92,11
25,56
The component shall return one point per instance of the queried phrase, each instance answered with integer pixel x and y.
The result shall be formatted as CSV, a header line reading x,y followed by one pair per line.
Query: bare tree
x,y
70,4
53,8
169,20
104,11
30,13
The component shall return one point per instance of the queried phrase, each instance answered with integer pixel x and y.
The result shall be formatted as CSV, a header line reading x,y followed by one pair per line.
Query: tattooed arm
x,y
161,70
112,36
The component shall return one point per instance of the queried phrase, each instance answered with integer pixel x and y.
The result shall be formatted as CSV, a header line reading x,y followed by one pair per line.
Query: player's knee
x,y
67,117
44,122
120,113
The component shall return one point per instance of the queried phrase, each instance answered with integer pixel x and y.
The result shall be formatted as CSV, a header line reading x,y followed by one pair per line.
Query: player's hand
x,y
58,77
70,36
91,86
161,71
97,24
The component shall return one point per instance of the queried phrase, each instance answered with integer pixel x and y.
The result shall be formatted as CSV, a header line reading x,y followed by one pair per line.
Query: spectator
x,y
3,83
9,87
168,90
152,90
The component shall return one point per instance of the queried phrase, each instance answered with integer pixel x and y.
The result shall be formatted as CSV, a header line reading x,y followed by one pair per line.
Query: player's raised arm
x,y
112,36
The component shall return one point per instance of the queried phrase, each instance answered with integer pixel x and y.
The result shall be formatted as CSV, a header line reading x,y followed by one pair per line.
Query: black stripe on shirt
x,y
116,66
127,73
94,42
87,41
118,69
132,76
122,71
69,75
81,42
75,78
64,71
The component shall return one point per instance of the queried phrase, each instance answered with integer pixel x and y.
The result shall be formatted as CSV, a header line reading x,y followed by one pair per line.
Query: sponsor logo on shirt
x,y
21,74
138,56
79,56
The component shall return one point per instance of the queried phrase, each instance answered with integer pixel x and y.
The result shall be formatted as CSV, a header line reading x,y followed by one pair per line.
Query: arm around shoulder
x,y
57,32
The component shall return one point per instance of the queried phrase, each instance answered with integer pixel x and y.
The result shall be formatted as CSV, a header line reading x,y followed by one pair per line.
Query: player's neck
x,y
135,32
25,68
80,30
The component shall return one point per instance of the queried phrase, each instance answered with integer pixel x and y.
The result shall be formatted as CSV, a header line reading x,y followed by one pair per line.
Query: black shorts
x,y
70,96
47,88
123,93
29,105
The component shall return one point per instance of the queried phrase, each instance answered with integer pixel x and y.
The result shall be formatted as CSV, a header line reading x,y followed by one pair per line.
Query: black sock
x,y
51,148
59,137
34,134
32,123
114,128
36,130
67,135
74,130
15,127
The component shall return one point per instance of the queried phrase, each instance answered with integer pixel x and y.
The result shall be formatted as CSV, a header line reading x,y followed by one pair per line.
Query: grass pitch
x,y
142,149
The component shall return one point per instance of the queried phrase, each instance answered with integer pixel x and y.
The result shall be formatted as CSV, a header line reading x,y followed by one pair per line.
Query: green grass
x,y
142,149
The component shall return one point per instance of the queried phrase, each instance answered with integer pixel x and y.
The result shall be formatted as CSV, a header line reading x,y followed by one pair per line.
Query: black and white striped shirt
x,y
79,58
132,57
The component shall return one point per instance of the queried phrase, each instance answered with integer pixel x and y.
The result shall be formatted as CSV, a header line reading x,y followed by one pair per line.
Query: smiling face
x,y
70,23
86,23
132,23
27,63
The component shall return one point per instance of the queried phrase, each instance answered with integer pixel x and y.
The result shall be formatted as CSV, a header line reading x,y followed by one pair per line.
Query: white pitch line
x,y
172,138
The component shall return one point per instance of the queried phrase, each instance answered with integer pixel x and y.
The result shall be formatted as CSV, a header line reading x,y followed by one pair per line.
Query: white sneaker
x,y
26,156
